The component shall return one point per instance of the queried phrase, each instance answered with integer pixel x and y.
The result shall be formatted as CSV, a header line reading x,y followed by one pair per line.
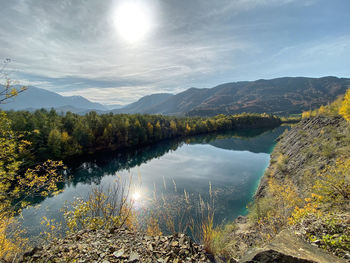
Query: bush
x,y
103,209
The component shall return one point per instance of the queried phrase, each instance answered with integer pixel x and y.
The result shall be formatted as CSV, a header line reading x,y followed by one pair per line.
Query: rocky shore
x,y
119,245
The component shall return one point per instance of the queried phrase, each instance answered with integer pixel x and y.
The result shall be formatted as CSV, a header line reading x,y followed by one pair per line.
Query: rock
x,y
134,257
175,243
32,252
316,243
119,253
271,256
121,246
286,247
241,220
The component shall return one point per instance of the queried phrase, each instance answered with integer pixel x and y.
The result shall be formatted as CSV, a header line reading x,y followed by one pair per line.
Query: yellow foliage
x,y
328,110
299,214
345,106
103,210
150,129
285,195
53,228
65,137
188,128
209,233
306,114
333,185
15,188
153,228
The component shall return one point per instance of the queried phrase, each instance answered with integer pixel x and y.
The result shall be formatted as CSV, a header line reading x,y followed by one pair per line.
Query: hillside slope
x,y
306,150
144,104
278,96
305,191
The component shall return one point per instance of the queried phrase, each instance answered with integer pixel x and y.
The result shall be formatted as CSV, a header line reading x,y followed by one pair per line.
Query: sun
x,y
133,21
136,196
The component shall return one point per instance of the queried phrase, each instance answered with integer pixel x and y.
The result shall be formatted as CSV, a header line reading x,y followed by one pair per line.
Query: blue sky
x,y
73,47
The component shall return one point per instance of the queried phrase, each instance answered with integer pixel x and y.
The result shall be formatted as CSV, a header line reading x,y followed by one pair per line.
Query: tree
x,y
54,143
158,131
16,186
6,90
173,127
345,106
150,130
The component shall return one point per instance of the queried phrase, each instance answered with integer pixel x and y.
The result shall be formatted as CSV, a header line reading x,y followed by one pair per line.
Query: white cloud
x,y
116,95
194,43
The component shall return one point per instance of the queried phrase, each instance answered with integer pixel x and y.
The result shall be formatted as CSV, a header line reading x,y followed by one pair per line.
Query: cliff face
x,y
305,150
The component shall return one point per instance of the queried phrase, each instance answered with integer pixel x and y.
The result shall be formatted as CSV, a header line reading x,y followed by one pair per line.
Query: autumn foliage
x,y
345,106
19,185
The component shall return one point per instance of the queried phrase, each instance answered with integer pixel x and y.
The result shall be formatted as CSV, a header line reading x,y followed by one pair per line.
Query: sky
x,y
116,51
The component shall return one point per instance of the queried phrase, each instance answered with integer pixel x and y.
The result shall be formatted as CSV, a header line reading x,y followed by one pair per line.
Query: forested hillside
x,y
281,96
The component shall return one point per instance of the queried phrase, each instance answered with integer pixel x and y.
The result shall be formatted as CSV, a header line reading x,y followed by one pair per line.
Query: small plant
x,y
333,184
282,162
103,209
53,229
153,228
336,241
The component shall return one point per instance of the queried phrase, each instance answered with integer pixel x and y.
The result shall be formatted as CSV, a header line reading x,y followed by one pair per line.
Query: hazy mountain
x,y
145,103
279,96
35,98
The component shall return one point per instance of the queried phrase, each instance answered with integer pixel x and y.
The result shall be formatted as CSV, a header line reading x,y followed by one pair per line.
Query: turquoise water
x,y
232,163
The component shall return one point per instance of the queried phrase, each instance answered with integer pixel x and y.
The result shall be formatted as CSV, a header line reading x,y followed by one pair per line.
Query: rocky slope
x,y
120,245
305,150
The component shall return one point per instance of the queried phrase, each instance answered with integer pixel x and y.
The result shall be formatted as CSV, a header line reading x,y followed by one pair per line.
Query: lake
x,y
231,163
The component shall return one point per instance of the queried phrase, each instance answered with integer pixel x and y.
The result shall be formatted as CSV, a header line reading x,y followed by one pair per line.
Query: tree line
x,y
62,136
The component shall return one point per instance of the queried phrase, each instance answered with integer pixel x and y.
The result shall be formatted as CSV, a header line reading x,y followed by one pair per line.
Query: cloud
x,y
72,46
116,95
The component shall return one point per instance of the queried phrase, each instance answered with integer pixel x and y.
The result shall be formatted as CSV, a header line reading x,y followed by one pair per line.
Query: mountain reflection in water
x,y
232,162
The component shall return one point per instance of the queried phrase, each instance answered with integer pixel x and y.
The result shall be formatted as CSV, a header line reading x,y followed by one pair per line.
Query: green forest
x,y
60,137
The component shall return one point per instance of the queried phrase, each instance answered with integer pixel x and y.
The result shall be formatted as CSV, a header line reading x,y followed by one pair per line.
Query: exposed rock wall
x,y
305,150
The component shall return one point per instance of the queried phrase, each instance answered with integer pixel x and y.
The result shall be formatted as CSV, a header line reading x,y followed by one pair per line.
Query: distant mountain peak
x,y
36,98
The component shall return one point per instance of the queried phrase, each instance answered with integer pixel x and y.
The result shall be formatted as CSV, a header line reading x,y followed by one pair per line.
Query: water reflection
x,y
93,168
232,162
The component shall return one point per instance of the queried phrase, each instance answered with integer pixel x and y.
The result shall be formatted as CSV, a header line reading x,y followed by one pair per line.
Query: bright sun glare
x,y
136,196
133,21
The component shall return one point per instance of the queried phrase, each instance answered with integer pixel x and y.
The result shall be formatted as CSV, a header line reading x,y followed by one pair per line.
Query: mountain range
x,y
283,96
36,98
145,103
